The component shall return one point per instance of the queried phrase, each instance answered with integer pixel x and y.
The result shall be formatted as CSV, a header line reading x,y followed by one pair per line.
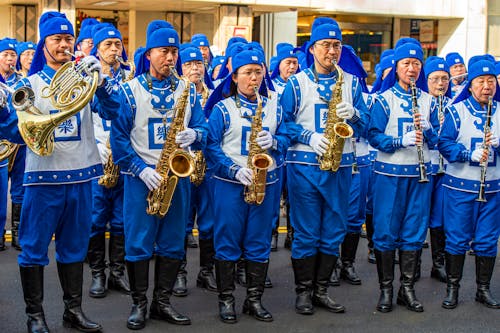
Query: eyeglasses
x,y
193,64
89,42
257,73
436,79
327,46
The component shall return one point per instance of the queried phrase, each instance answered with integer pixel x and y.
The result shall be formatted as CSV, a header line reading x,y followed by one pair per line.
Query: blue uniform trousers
x,y
17,175
318,208
357,199
401,208
107,207
436,217
468,220
242,230
145,233
202,200
63,210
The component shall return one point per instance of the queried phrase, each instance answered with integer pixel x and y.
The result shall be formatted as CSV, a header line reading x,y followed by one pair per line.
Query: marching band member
x,y
201,42
287,64
25,52
241,229
107,202
438,77
318,217
84,41
137,141
58,187
8,58
400,199
217,63
472,215
458,72
201,195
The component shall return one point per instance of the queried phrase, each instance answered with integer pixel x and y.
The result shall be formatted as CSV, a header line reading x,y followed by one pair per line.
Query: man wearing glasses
x,y
318,199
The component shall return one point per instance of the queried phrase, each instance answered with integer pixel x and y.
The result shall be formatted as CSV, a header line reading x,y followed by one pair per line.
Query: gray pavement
x,y
201,305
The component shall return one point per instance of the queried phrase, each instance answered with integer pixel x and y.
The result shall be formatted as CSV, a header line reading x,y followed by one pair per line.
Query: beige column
x,y
233,21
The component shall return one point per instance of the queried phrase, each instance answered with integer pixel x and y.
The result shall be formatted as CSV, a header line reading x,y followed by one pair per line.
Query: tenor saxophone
x,y
336,129
174,162
258,160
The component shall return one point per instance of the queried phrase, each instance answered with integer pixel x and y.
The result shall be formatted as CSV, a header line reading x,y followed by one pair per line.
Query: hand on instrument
x,y
409,139
151,178
79,54
186,137
94,64
478,155
345,110
104,152
244,176
492,140
424,123
319,143
264,139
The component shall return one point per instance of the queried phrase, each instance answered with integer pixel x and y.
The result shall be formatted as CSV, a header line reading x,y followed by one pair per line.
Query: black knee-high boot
x,y
224,275
206,278
454,270
117,279
256,275
408,263
348,255
15,220
438,270
32,282
385,270
304,270
165,276
96,257
138,275
324,267
484,271
71,278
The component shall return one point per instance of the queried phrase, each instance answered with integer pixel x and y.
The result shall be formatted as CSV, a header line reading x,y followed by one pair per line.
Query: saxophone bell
x,y
181,163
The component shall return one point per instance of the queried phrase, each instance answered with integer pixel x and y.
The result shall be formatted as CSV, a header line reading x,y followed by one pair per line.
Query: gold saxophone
x,y
111,172
258,159
70,90
336,129
200,164
174,162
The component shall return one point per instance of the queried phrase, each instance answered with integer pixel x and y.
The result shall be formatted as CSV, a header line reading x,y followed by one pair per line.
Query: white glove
x,y
477,155
494,141
409,139
264,139
104,152
244,175
94,64
345,110
186,137
151,178
319,143
425,124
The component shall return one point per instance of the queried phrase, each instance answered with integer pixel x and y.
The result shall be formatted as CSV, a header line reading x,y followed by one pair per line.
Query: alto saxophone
x,y
336,129
174,162
112,171
484,163
420,147
258,159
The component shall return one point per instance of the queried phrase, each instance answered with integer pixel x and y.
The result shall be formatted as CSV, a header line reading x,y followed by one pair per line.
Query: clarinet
x,y
440,170
484,163
420,147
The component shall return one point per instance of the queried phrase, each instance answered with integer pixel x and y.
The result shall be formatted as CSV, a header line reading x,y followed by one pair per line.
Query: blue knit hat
x,y
434,64
454,58
200,40
283,51
325,31
157,24
478,66
20,48
408,50
8,44
190,54
162,37
86,29
50,23
240,59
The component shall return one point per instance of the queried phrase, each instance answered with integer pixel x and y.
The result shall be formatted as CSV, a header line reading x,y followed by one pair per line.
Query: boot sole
x,y
98,295
449,307
488,305
384,310
403,303
305,312
68,324
135,327
171,321
247,312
